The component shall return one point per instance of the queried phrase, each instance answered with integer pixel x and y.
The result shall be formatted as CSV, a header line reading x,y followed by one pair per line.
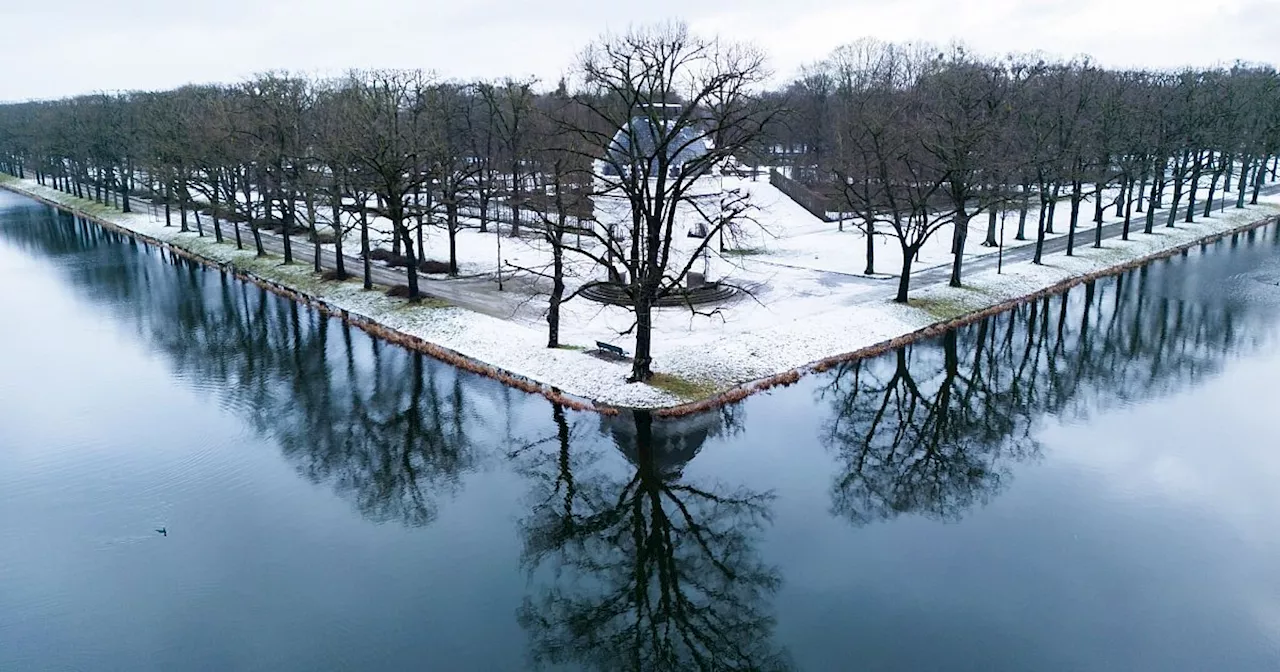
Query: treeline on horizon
x,y
905,139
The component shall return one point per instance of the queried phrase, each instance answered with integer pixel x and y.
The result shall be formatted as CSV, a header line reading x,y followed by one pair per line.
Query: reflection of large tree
x,y
385,427
933,428
643,570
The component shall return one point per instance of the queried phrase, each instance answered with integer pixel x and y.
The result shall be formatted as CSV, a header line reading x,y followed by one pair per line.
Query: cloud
x,y
85,45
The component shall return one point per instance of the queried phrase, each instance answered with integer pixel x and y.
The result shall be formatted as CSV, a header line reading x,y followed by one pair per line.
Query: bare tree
x,y
676,108
510,104
389,108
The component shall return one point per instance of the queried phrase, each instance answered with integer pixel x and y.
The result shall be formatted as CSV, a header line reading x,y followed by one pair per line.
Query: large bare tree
x,y
665,109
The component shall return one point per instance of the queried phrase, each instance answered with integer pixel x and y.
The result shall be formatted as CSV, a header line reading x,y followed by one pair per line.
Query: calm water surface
x,y
1086,483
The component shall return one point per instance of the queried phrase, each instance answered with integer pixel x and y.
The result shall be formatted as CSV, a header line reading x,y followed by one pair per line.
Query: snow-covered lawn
x,y
809,300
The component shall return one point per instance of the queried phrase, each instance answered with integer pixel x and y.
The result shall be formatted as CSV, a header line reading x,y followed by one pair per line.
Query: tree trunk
x,y
1243,184
1040,230
1226,184
125,182
1213,185
417,202
181,193
557,292
1098,214
1022,212
557,266
871,247
961,233
1076,187
904,280
309,198
364,244
213,208
1053,206
1179,169
335,203
168,196
451,215
641,365
1259,177
1196,169
1152,204
992,239
287,209
1128,210
1097,225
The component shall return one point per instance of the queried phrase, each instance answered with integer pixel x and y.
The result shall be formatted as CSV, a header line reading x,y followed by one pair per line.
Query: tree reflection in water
x,y
388,429
934,428
645,570
642,567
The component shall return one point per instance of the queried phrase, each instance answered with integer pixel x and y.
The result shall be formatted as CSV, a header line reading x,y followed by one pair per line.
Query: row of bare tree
x,y
329,157
909,138
279,150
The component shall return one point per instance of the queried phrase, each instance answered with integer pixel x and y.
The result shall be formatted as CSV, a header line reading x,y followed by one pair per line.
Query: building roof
x,y
638,141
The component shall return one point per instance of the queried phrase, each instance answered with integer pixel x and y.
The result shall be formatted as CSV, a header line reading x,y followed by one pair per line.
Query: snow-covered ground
x,y
809,299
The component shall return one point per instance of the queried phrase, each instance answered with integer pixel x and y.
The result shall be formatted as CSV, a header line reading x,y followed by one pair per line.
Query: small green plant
x,y
97,209
689,390
575,348
745,251
942,309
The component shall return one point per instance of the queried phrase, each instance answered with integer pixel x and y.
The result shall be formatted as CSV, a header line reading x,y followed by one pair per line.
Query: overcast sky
x,y
75,46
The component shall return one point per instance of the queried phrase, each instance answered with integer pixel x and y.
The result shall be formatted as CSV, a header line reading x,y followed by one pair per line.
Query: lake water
x,y
1085,483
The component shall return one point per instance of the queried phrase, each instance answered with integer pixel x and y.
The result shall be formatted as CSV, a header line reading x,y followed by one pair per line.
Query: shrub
x,y
433,266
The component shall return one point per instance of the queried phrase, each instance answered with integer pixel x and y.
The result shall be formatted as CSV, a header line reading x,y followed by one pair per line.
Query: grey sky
x,y
76,46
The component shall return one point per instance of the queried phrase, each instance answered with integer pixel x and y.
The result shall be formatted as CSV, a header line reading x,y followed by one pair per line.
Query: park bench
x,y
611,349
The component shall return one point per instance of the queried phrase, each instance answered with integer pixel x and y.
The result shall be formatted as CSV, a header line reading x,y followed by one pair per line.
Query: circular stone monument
x,y
615,294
